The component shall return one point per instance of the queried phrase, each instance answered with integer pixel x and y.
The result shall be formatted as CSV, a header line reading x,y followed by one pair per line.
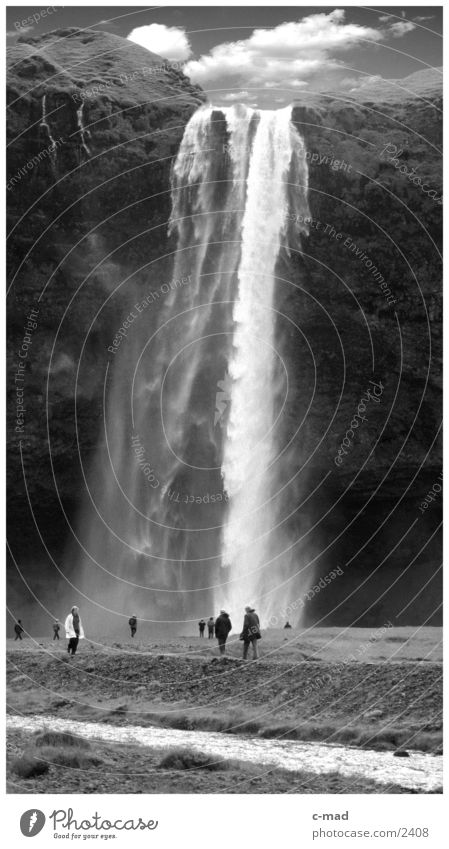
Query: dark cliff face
x,y
86,216
94,123
371,308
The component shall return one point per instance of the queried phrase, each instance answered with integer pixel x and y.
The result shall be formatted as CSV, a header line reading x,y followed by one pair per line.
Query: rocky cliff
x,y
371,307
94,123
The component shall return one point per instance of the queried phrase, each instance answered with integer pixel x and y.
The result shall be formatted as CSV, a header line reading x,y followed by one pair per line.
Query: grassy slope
x,y
73,60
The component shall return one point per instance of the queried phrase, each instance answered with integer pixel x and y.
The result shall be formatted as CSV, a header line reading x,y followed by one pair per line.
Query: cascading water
x,y
53,148
249,462
83,133
187,481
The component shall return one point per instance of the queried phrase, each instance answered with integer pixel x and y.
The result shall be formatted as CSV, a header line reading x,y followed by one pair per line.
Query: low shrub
x,y
191,759
69,757
278,731
245,726
59,738
28,766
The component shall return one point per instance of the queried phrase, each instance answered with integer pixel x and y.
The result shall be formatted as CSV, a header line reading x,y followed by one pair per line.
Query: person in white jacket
x,y
73,630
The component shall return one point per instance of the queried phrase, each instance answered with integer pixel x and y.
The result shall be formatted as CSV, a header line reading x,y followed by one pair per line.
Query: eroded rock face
x,y
87,213
372,263
94,123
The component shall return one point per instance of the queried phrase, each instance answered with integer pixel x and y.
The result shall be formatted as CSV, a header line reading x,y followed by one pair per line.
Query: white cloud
x,y
20,31
400,28
421,18
362,82
236,95
286,55
169,42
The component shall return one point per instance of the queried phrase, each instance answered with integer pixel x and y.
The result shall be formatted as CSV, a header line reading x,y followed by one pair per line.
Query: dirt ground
x,y
371,688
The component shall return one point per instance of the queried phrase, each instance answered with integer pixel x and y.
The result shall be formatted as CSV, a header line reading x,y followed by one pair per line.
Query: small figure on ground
x,y
287,625
223,626
133,624
250,632
18,630
73,630
211,627
56,629
201,626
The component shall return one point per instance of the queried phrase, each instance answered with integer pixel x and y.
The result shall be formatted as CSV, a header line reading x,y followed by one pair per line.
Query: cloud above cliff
x,y
400,28
290,54
169,42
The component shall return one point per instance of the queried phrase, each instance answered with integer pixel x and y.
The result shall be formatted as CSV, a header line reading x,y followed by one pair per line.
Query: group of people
x,y
210,625
222,626
73,630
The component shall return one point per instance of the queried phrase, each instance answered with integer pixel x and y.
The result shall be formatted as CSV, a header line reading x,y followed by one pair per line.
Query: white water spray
x,y
204,529
249,462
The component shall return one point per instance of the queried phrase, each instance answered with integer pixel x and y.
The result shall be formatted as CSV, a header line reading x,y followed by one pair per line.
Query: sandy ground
x,y
379,688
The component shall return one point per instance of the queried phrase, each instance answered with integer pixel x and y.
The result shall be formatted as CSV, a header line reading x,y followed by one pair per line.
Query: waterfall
x,y
53,148
186,486
83,133
249,462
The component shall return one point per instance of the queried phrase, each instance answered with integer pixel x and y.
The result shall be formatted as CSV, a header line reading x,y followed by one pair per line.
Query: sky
x,y
267,55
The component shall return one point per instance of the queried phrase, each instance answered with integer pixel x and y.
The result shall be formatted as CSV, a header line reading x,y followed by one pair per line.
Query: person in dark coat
x,y
133,624
287,625
18,630
56,629
250,632
201,626
223,625
211,627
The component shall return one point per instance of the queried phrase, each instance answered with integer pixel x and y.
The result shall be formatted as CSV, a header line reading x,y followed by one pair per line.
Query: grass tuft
x,y
69,756
191,759
60,738
28,766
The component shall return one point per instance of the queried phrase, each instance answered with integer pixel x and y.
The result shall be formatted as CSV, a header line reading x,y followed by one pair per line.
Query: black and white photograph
x,y
224,414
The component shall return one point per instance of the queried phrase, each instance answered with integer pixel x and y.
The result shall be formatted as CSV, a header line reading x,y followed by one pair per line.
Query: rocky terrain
x,y
321,685
317,686
94,124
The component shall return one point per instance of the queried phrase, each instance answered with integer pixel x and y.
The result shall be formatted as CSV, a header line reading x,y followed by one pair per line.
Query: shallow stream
x,y
417,772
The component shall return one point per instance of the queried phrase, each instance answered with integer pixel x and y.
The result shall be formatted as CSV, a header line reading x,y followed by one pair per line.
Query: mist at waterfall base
x,y
187,504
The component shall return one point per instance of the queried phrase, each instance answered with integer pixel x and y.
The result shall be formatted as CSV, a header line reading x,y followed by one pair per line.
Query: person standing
x,y
56,629
250,632
18,630
223,625
73,630
201,626
133,624
211,627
